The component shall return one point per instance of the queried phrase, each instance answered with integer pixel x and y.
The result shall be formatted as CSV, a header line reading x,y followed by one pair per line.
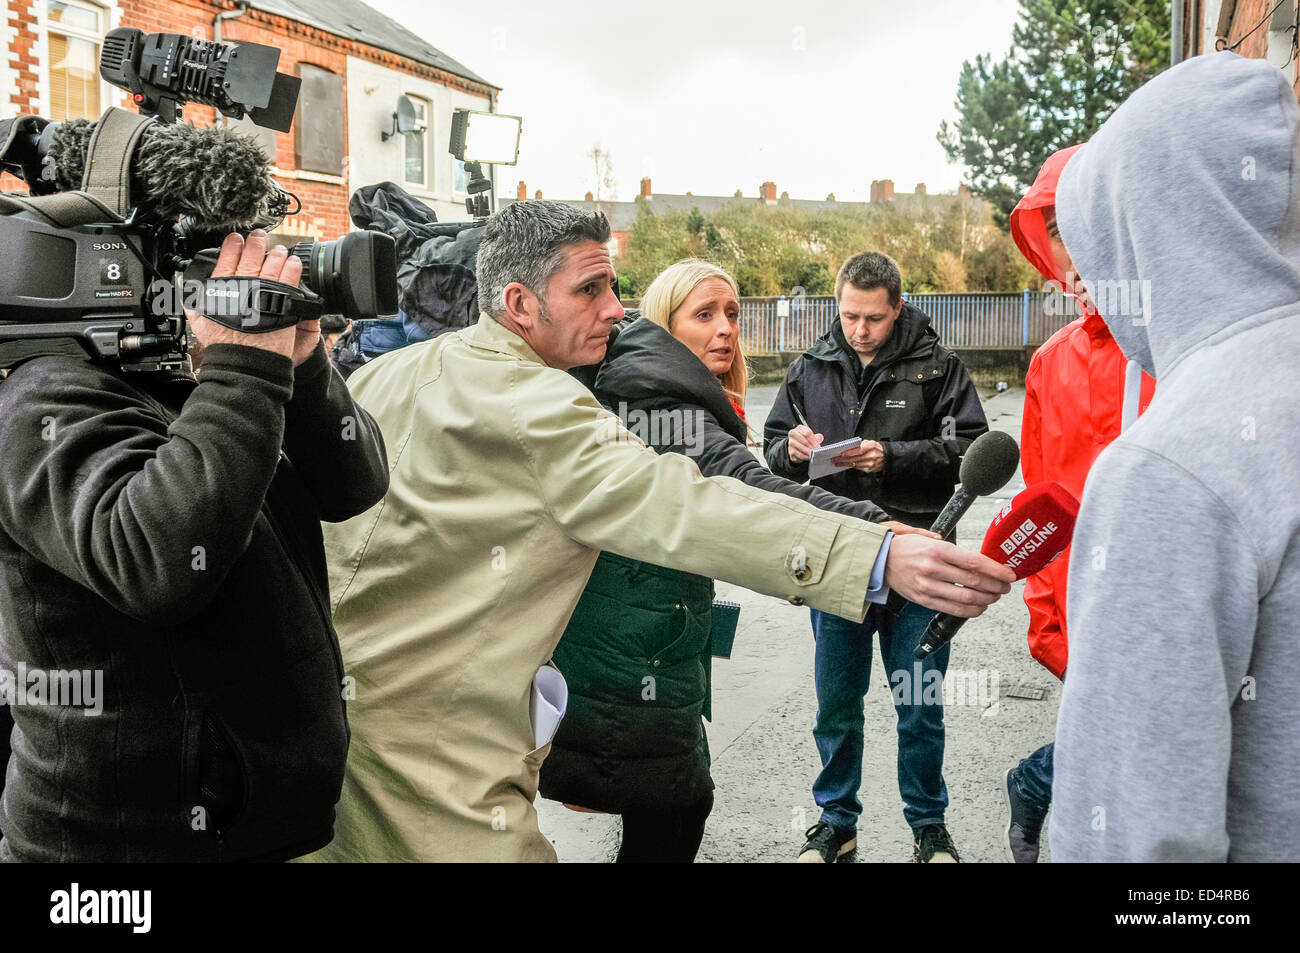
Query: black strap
x,y
105,196
62,209
107,178
256,305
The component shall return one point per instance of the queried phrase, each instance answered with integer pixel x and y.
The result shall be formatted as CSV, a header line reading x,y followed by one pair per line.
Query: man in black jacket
x,y
881,375
161,533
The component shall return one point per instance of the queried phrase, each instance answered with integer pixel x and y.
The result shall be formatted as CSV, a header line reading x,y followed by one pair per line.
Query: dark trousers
x,y
1033,777
842,666
670,837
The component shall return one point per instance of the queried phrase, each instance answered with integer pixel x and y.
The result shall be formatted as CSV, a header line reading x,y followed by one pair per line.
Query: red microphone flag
x,y
1033,529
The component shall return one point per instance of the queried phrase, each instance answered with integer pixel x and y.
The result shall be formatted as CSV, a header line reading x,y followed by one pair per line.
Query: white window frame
x,y
110,18
427,185
457,194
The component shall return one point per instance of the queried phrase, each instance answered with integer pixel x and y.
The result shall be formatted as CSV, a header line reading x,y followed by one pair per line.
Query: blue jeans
x,y
414,333
843,673
380,336
1033,777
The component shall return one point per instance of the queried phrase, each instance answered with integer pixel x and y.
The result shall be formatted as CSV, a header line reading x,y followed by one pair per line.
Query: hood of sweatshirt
x,y
1180,215
1029,223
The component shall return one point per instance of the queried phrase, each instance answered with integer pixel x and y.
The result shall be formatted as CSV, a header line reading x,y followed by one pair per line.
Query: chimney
x,y
767,191
645,187
886,189
589,198
522,193
538,195
920,188
875,190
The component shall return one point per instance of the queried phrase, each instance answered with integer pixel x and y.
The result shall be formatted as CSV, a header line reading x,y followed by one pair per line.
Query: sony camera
x,y
117,234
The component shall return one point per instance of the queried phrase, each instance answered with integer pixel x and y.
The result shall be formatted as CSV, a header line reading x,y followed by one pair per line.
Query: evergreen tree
x,y
1071,64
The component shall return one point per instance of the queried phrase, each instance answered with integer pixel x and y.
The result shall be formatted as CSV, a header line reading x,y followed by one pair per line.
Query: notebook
x,y
820,464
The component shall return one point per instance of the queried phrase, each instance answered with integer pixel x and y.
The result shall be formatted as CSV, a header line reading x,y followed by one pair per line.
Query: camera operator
x,y
164,530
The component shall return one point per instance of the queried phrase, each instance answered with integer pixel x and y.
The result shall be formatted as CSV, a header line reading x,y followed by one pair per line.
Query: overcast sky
x,y
710,97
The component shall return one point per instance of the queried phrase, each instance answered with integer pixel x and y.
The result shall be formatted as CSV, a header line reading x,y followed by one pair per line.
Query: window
x,y
417,147
75,29
318,125
265,137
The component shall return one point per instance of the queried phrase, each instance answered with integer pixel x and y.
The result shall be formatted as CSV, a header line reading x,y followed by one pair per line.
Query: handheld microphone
x,y
989,462
217,179
1028,534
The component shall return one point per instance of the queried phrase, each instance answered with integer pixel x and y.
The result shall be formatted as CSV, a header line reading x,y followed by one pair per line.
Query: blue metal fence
x,y
1019,320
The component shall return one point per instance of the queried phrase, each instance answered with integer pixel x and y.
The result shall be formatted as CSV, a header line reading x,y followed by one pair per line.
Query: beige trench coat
x,y
507,479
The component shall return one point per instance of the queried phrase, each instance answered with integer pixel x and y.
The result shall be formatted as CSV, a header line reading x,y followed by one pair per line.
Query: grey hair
x,y
527,242
868,270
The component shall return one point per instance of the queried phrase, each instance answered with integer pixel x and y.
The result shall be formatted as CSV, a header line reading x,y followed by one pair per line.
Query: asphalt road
x,y
764,758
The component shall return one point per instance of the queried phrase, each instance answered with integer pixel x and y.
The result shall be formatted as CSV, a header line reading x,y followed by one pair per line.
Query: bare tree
x,y
603,166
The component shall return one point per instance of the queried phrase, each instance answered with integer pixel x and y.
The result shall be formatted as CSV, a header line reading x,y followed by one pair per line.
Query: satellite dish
x,y
405,120
405,115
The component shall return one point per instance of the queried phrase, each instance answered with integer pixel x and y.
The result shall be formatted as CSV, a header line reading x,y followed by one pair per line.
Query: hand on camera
x,y
940,576
250,258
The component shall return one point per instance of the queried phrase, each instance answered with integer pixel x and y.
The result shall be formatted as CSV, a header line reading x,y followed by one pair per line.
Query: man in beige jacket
x,y
451,593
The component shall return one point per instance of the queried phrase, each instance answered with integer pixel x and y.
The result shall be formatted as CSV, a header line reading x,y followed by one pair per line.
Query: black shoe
x,y
932,845
828,845
1024,824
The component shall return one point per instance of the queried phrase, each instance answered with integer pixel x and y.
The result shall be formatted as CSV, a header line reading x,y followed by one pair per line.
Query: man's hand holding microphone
x,y
921,567
940,576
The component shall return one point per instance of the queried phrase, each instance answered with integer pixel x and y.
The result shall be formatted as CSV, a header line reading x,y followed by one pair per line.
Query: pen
x,y
799,415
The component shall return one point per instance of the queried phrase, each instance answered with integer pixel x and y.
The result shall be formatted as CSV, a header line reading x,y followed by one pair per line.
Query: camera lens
x,y
356,274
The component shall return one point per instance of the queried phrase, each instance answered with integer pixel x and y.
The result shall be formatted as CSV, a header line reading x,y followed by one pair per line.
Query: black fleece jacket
x,y
915,398
166,532
666,396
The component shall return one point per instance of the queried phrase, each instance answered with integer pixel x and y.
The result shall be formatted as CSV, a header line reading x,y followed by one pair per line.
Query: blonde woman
x,y
676,375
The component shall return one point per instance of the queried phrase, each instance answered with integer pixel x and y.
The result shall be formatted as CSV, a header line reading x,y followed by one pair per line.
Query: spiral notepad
x,y
726,616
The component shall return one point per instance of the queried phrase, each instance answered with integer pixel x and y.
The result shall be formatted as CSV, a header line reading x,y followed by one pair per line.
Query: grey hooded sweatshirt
x,y
1179,732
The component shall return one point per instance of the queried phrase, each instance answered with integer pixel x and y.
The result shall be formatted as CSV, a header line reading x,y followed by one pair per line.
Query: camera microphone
x,y
215,179
988,463
1030,532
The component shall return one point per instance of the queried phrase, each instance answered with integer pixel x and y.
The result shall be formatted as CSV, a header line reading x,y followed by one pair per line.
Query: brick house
x,y
623,215
353,61
1265,29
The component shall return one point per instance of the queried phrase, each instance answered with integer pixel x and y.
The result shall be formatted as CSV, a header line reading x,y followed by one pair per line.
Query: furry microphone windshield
x,y
216,178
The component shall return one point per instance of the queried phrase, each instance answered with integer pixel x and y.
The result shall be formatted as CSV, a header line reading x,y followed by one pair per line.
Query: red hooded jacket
x,y
1074,395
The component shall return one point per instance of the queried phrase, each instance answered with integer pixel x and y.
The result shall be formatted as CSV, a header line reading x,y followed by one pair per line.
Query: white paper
x,y
549,702
820,464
